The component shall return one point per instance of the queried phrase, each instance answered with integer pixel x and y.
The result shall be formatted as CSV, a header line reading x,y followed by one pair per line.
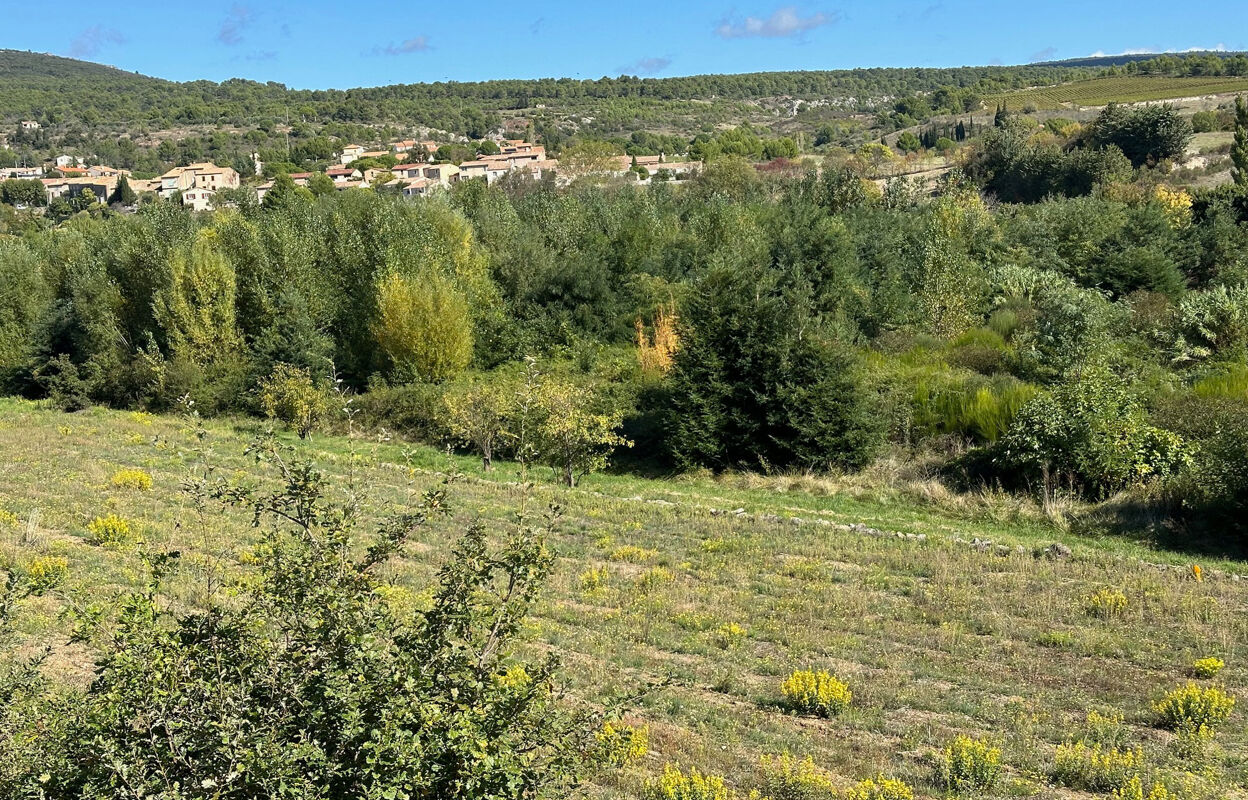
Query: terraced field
x,y
940,622
1121,89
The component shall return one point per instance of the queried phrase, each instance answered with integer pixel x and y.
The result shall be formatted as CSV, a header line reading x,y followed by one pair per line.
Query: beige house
x,y
350,153
197,183
30,125
442,173
677,169
419,187
408,171
102,188
343,174
101,171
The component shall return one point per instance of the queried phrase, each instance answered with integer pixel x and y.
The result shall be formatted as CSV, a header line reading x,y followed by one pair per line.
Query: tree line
x,y
1089,340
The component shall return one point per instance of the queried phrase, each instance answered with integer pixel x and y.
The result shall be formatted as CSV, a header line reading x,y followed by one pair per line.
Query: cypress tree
x,y
1239,150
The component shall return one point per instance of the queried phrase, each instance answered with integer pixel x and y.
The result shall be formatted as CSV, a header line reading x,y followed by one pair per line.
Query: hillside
x,y
77,92
1117,89
724,590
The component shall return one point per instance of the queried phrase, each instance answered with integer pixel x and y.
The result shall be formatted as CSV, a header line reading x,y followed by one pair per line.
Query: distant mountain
x,y
1129,58
68,94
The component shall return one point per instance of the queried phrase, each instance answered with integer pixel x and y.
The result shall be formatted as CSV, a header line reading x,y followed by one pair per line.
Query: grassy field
x,y
1121,89
724,586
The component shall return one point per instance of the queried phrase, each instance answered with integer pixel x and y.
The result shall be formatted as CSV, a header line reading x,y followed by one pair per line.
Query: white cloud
x,y
90,41
232,27
646,66
416,44
784,21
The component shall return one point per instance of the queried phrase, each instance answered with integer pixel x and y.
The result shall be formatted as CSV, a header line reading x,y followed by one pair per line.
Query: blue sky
x,y
347,43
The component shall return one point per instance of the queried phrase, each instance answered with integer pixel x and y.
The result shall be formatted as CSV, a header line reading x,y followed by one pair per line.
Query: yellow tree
x,y
292,396
196,308
656,352
423,326
480,415
576,432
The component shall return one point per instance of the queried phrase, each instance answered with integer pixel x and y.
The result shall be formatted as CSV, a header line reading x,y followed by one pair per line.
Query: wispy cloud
x,y
1044,55
784,21
90,41
646,66
416,44
235,24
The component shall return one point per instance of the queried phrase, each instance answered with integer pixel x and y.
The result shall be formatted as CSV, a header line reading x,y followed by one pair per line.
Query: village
x,y
416,171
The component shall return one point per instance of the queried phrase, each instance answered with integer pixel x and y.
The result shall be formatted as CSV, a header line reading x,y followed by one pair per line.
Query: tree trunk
x,y
568,476
487,460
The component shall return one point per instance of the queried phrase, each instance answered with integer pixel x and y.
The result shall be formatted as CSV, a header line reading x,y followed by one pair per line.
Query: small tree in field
x,y
292,396
480,415
576,433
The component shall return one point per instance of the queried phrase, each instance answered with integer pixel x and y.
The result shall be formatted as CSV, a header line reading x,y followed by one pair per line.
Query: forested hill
x,y
62,90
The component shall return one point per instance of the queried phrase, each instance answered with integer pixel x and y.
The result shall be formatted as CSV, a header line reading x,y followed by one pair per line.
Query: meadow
x,y
1119,89
942,618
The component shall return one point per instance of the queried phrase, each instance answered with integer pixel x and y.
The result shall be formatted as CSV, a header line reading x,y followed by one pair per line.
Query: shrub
x,y
46,572
970,765
7,519
109,530
817,693
1092,432
291,395
784,777
1190,708
1106,730
594,580
131,479
1105,603
1208,667
244,695
1134,790
676,785
730,635
1094,769
620,745
880,788
632,553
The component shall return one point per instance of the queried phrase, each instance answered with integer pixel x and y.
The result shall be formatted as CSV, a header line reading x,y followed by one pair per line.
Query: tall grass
x,y
1231,383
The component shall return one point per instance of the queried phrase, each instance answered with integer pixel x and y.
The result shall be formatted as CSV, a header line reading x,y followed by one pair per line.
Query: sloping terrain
x,y
722,588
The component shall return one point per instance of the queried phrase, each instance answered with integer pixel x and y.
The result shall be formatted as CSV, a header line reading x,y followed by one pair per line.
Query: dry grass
x,y
933,636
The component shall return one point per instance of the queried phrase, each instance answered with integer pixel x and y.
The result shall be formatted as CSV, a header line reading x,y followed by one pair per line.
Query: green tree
x,y
757,384
907,142
23,192
1146,135
320,184
480,414
123,194
1239,148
